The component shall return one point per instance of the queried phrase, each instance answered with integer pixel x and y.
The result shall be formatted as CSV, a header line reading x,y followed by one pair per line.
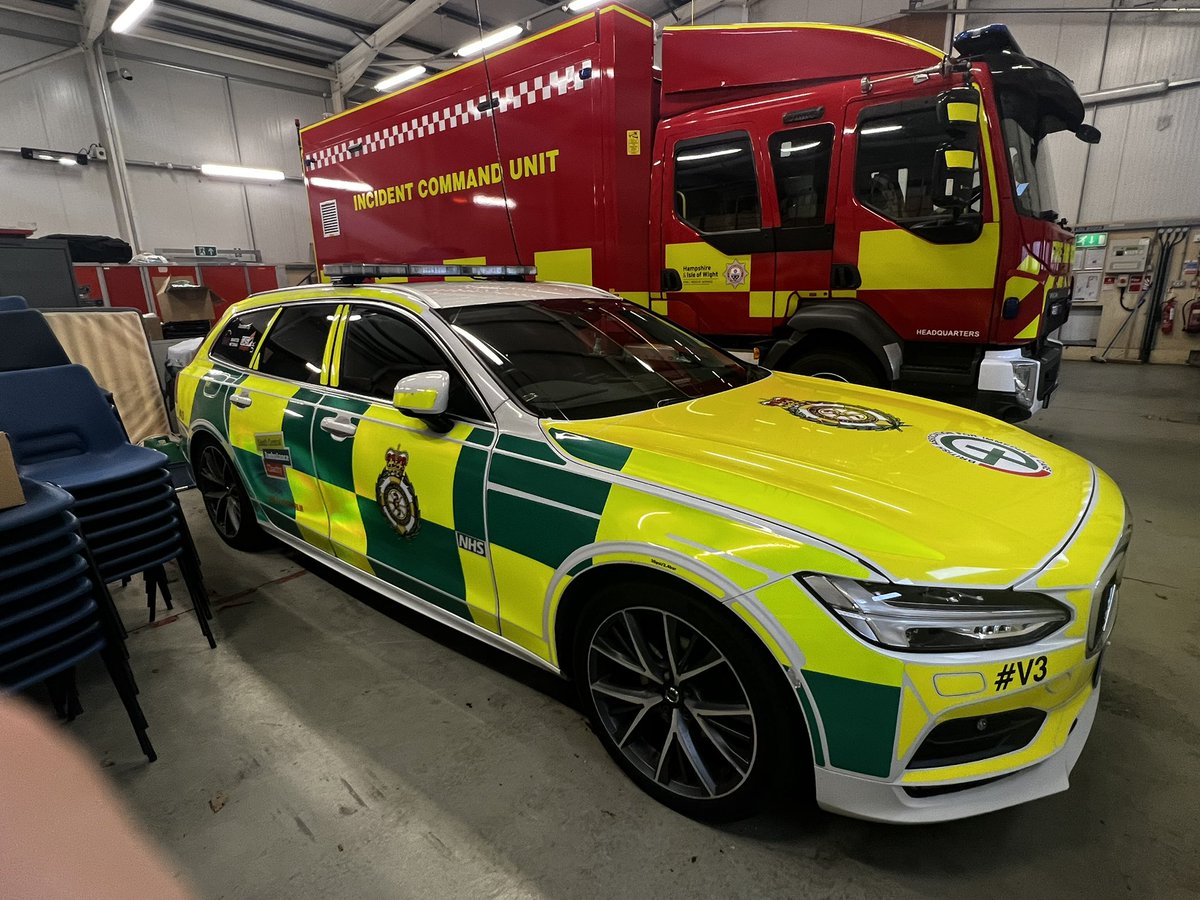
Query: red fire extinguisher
x,y
1191,317
1168,316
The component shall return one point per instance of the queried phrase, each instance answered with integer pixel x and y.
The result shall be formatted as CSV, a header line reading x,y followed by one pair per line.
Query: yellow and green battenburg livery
x,y
736,494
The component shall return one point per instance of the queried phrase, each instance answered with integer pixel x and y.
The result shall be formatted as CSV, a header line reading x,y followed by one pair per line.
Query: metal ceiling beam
x,y
256,25
358,26
95,17
34,65
351,66
1004,12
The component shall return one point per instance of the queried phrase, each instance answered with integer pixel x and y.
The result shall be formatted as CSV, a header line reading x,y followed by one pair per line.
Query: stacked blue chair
x,y
12,302
54,608
63,432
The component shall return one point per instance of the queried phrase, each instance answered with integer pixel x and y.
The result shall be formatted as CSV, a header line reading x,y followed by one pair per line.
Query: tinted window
x,y
381,347
237,343
715,186
800,158
580,359
295,346
893,174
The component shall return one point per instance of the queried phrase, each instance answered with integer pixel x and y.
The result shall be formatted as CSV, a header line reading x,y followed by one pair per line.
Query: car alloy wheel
x,y
672,703
225,499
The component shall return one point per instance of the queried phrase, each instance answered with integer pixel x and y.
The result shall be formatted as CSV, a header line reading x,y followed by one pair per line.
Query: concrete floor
x,y
333,745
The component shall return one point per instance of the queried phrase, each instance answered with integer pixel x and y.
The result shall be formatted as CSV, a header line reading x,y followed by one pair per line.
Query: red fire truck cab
x,y
847,202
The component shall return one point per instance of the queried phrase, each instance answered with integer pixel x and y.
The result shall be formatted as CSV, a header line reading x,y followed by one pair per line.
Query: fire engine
x,y
845,202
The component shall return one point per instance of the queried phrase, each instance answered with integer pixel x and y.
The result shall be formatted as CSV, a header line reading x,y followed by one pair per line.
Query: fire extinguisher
x,y
1191,317
1168,316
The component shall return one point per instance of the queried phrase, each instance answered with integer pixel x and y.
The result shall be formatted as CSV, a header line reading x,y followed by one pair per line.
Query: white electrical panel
x,y
1128,255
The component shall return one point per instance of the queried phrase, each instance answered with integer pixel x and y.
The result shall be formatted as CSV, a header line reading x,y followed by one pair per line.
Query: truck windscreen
x,y
1028,161
588,358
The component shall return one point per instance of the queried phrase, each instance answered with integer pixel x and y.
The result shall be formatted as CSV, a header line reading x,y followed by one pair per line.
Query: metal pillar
x,y
110,138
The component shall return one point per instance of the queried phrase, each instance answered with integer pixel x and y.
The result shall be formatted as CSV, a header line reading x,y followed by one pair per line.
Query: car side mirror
x,y
953,177
424,396
958,110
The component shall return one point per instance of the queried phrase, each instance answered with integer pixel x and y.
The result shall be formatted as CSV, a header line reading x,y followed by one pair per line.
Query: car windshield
x,y
588,358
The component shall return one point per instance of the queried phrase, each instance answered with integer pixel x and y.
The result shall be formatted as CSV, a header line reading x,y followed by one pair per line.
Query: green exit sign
x,y
1092,239
205,250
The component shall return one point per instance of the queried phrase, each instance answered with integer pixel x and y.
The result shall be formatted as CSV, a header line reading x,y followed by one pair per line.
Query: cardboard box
x,y
152,327
10,485
179,299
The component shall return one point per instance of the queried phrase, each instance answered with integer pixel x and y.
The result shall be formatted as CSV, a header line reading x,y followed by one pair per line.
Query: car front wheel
x,y
685,699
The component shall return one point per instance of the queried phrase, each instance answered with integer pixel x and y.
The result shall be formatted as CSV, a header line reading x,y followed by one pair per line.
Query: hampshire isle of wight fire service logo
x,y
396,495
736,274
839,415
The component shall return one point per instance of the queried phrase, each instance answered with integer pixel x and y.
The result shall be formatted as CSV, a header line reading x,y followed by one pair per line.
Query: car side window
x,y
716,189
800,158
381,347
239,339
294,348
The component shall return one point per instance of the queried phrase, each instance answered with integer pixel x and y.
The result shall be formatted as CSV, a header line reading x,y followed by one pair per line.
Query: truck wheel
x,y
225,498
685,700
837,366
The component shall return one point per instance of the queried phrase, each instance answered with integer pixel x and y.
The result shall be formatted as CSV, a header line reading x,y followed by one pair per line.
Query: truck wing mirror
x,y
1089,134
958,110
953,177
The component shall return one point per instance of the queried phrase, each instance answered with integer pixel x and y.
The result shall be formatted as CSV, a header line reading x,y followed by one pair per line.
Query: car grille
x,y
977,737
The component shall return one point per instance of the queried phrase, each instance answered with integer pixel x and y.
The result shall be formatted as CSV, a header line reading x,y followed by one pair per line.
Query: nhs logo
x,y
470,544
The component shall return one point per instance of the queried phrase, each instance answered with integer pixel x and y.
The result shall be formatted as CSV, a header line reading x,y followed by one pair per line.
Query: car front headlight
x,y
915,617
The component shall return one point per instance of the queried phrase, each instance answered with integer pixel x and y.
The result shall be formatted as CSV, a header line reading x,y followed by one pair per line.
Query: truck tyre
x,y
837,365
225,498
686,700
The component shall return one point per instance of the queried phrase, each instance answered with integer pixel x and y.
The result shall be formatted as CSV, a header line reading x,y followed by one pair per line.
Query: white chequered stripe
x,y
513,96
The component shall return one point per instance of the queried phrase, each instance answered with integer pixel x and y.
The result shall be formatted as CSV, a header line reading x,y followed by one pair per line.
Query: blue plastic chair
x,y
29,342
54,609
11,302
62,432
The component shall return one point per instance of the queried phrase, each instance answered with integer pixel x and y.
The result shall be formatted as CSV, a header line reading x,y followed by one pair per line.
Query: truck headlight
x,y
1025,377
914,617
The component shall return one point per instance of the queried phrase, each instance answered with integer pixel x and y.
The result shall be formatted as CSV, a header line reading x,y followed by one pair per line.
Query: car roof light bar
x,y
349,273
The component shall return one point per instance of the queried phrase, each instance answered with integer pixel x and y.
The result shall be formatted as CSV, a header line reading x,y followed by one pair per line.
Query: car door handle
x,y
338,428
241,399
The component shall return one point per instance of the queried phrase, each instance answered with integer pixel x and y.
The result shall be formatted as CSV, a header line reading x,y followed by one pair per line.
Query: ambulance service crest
x,y
838,415
396,495
736,274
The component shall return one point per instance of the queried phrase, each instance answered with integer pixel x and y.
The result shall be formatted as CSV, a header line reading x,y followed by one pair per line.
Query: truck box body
x,y
776,185
556,134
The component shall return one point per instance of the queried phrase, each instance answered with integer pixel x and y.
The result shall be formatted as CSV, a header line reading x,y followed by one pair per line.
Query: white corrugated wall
x,y
167,114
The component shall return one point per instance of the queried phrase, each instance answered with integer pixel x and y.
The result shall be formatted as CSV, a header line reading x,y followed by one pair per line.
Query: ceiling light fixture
x,y
400,77
133,12
334,184
488,41
581,5
59,156
216,170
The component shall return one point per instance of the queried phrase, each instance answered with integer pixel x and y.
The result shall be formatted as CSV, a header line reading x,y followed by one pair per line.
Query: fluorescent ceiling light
x,y
217,170
133,12
489,200
68,161
789,148
334,184
400,77
881,129
580,5
688,157
488,41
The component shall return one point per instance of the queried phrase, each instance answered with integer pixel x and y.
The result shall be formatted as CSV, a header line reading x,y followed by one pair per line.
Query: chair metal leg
x,y
198,592
124,685
151,579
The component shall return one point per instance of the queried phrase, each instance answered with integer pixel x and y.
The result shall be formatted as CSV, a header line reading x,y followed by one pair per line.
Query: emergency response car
x,y
750,575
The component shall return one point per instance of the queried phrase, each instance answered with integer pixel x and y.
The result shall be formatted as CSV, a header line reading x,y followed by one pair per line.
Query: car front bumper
x,y
889,801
